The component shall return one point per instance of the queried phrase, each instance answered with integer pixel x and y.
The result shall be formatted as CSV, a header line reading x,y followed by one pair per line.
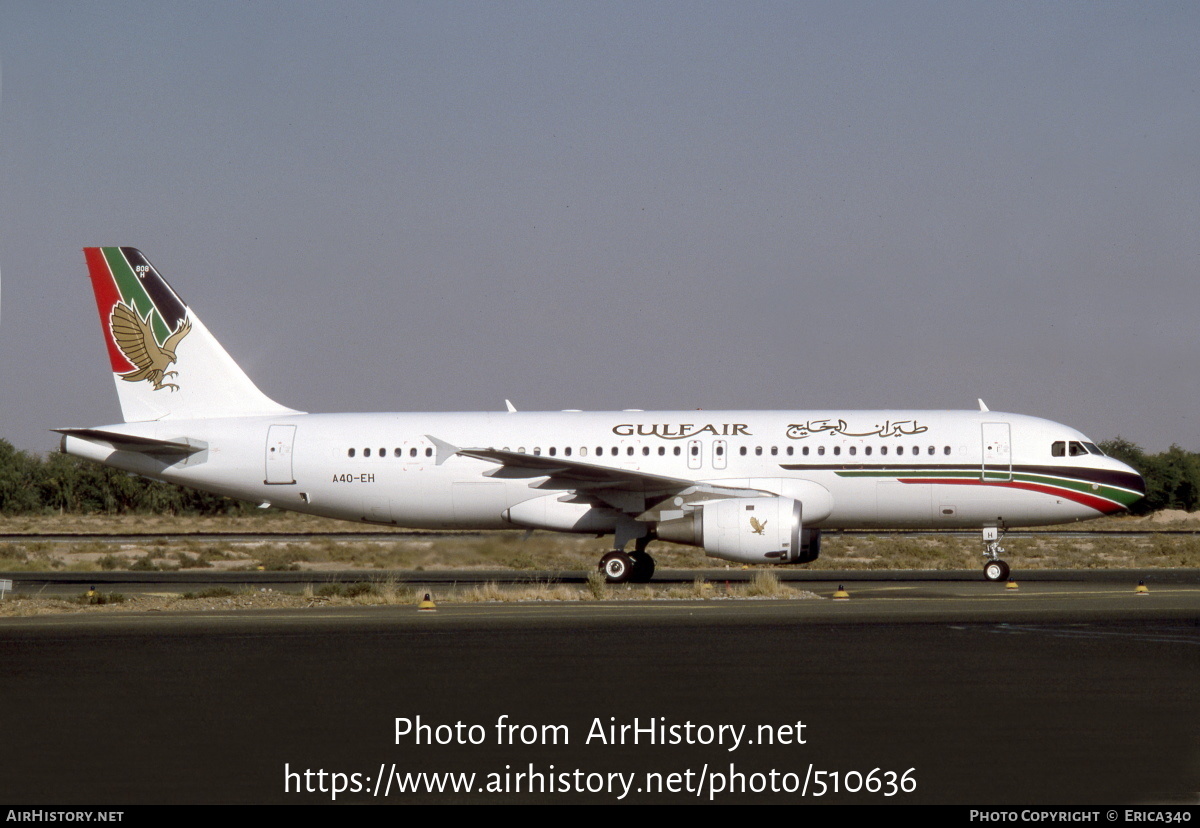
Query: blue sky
x,y
437,206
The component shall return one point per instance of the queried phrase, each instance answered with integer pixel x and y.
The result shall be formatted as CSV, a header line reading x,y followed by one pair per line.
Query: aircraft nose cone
x,y
1135,480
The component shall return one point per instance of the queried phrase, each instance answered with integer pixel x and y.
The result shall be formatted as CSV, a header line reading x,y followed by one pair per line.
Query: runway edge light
x,y
1141,589
426,604
841,594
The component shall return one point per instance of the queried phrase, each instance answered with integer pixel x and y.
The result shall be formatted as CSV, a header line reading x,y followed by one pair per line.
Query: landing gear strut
x,y
619,566
994,569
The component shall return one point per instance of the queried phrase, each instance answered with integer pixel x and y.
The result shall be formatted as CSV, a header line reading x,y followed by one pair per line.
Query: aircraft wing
x,y
640,494
578,474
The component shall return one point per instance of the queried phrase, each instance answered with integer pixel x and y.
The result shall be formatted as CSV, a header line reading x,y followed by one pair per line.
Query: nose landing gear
x,y
994,569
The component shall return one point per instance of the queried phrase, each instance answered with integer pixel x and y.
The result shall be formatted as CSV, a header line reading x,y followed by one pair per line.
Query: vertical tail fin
x,y
165,362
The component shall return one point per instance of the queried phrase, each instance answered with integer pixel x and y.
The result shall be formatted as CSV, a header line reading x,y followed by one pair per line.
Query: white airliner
x,y
746,486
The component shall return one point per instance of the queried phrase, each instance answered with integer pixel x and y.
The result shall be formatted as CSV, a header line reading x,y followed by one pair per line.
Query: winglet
x,y
444,450
511,408
983,407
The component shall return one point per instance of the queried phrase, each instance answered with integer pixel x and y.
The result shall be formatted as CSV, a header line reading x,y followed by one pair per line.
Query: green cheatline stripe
x,y
132,292
1122,496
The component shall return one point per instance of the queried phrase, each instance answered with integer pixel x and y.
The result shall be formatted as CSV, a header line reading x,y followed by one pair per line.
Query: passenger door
x,y
997,452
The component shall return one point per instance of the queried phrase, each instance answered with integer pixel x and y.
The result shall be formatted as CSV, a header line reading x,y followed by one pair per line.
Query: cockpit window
x,y
1077,448
1094,449
1058,448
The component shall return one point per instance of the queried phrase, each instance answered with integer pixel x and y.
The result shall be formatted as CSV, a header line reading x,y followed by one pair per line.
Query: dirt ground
x,y
407,550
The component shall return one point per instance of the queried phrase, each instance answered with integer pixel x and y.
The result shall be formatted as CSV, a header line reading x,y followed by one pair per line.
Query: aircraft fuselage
x,y
863,469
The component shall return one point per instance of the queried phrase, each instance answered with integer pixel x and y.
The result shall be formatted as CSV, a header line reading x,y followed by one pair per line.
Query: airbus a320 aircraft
x,y
745,486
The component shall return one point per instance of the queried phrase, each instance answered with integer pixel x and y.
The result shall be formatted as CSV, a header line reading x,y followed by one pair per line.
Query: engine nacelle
x,y
752,529
748,530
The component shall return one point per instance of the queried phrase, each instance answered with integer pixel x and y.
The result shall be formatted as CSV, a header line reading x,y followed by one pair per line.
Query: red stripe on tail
x,y
107,298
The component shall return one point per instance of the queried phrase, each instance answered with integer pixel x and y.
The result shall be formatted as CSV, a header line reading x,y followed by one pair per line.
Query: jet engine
x,y
747,530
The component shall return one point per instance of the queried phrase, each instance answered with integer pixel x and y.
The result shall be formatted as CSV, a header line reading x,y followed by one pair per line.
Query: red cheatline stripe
x,y
106,299
1100,504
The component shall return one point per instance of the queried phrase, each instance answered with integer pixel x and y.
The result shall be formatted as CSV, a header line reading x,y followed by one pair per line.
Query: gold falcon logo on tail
x,y
136,340
758,527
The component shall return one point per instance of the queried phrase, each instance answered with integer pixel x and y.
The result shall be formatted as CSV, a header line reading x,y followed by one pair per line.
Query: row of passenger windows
x,y
852,450
1059,448
694,450
398,452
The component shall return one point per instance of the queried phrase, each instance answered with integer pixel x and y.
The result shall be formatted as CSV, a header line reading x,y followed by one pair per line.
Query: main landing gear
x,y
619,566
994,569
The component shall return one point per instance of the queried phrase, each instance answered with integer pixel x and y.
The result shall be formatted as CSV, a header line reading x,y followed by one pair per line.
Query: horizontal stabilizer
x,y
132,442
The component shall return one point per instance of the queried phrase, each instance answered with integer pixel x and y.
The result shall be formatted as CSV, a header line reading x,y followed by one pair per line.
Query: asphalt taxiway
x,y
870,583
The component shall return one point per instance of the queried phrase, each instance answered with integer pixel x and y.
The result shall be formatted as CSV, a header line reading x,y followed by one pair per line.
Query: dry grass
x,y
271,521
597,586
544,591
390,593
765,584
